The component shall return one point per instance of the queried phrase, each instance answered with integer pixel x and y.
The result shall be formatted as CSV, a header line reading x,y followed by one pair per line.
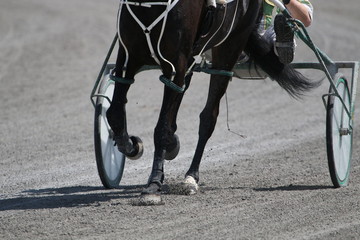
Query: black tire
x,y
338,139
110,162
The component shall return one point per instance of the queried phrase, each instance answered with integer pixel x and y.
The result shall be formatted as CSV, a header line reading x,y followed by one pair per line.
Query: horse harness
x,y
169,4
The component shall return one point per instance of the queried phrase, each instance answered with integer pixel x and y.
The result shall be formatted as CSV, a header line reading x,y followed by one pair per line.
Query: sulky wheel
x,y
339,133
110,162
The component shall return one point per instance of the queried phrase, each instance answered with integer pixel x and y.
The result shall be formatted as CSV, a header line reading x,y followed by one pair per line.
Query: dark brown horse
x,y
170,35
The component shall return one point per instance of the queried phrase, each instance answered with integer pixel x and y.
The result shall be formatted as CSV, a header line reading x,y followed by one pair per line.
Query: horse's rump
x,y
222,22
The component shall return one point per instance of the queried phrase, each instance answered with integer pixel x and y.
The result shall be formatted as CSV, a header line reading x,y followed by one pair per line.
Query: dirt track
x,y
274,184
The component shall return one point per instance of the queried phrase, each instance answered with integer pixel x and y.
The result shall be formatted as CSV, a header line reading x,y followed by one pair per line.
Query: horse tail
x,y
260,49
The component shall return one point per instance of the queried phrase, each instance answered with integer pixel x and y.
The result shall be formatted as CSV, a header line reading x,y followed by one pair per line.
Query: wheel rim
x,y
341,143
112,160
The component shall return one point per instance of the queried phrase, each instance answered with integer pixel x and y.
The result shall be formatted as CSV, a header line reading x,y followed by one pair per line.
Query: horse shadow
x,y
67,197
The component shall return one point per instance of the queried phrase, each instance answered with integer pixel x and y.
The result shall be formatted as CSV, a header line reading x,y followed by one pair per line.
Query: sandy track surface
x,y
273,184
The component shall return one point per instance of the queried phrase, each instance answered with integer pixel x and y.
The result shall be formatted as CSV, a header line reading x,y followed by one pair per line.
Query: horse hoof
x,y
149,200
170,155
139,146
190,185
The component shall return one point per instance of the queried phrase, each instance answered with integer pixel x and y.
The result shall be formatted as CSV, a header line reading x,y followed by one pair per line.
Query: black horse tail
x,y
260,49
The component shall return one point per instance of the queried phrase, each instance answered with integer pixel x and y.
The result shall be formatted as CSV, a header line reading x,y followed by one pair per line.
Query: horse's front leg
x,y
173,145
116,116
165,141
163,138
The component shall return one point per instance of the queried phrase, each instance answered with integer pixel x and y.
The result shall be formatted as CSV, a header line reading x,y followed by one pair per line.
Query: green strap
x,y
218,72
171,85
206,68
121,80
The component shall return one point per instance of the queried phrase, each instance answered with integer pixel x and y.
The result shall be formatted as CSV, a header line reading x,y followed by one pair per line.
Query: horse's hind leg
x,y
208,118
224,60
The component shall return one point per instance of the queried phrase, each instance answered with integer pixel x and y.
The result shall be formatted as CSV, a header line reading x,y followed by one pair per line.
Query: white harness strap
x,y
232,24
199,56
147,30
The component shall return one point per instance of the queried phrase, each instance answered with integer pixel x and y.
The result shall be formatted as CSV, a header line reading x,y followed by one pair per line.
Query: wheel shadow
x,y
67,197
294,188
